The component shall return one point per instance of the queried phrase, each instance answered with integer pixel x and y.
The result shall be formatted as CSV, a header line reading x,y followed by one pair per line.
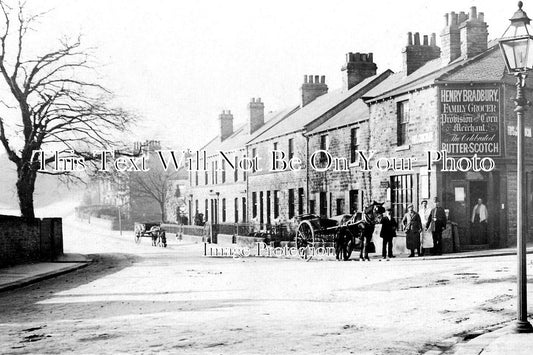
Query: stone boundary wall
x,y
26,240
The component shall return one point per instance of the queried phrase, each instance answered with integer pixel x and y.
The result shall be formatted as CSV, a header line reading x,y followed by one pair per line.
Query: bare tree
x,y
57,106
154,185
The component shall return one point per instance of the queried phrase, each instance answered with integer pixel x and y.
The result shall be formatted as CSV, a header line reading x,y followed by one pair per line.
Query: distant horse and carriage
x,y
152,231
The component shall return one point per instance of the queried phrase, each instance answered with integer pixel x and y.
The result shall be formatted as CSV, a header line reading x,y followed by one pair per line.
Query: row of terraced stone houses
x,y
452,98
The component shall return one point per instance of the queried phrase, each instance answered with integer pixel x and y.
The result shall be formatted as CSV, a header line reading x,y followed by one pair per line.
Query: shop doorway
x,y
478,233
465,197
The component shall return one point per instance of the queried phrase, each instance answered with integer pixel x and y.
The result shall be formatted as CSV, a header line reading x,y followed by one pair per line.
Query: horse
x,y
358,231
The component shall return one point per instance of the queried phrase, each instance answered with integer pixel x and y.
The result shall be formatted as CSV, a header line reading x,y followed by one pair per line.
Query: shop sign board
x,y
470,120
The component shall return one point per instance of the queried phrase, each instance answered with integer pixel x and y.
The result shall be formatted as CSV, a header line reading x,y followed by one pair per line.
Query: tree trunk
x,y
162,207
25,188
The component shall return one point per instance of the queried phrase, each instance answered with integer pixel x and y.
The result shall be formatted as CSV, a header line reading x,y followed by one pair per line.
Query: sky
x,y
178,64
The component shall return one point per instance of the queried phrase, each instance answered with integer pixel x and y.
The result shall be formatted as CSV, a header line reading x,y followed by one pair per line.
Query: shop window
x,y
402,194
403,121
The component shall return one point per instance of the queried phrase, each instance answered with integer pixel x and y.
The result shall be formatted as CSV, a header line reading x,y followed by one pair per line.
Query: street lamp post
x,y
516,45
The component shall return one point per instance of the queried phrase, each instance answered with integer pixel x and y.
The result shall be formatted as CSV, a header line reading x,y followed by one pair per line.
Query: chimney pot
x,y
417,39
409,38
433,41
426,40
462,17
453,18
446,20
473,13
481,17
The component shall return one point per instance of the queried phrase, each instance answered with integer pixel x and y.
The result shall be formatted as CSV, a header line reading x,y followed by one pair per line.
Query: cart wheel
x,y
305,237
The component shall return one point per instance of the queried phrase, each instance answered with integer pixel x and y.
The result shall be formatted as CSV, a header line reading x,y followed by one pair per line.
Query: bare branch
x,y
57,99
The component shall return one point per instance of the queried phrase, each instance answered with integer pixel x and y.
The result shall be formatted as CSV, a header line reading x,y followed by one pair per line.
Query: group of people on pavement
x,y
423,229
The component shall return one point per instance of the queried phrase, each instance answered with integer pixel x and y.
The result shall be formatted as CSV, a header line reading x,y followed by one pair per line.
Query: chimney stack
x,y
313,88
464,35
226,124
450,39
358,67
474,34
415,55
257,114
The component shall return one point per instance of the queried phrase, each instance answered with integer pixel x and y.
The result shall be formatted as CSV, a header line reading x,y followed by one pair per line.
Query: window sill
x,y
403,147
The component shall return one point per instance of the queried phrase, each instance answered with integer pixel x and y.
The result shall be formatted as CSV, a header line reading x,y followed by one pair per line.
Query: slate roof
x,y
298,120
487,66
355,112
241,136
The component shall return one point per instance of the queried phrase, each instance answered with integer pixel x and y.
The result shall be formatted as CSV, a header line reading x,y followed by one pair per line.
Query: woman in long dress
x,y
412,226
426,240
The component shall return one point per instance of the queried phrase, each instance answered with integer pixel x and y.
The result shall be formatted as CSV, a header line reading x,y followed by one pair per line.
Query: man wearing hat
x,y
436,223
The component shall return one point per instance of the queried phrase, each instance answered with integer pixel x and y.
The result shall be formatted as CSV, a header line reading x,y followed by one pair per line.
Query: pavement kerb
x,y
47,275
466,255
478,344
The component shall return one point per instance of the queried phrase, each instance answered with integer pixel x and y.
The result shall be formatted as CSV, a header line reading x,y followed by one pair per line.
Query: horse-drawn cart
x,y
150,230
315,231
